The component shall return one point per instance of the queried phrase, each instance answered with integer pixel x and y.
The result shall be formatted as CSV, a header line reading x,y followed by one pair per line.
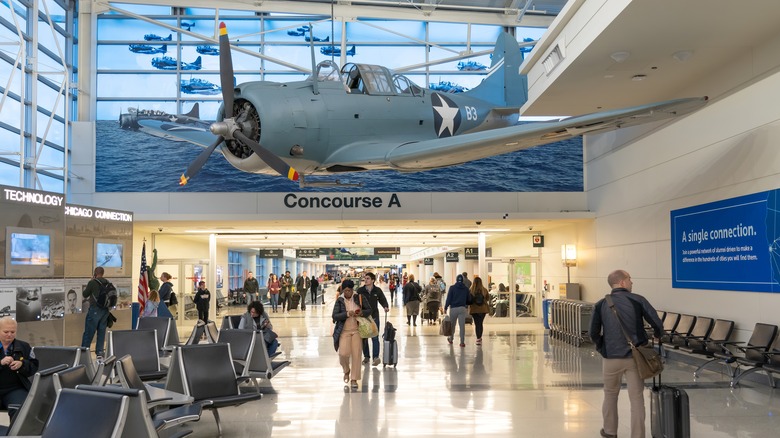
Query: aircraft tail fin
x,y
164,48
194,112
504,86
197,62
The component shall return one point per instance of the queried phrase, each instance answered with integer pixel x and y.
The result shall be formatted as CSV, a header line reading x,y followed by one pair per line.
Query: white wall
x,y
727,149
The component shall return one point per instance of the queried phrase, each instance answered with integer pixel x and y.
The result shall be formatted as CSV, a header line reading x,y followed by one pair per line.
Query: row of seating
x,y
200,377
710,338
141,362
52,407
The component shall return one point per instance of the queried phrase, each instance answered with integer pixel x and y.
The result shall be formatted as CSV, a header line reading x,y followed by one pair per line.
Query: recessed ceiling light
x,y
620,56
639,78
682,55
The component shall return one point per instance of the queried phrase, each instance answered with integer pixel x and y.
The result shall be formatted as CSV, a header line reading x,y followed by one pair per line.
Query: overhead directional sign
x,y
471,253
428,261
451,257
270,253
307,253
387,251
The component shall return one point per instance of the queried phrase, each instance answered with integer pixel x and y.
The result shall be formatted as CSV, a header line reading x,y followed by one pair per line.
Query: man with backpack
x,y
100,293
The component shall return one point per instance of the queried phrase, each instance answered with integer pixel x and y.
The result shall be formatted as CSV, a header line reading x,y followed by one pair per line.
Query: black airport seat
x,y
140,422
700,332
142,346
684,327
49,356
755,359
155,395
167,334
230,322
97,414
760,340
71,377
206,373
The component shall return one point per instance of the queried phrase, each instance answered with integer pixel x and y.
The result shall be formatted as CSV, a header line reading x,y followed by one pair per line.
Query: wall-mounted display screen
x,y
28,252
110,255
30,249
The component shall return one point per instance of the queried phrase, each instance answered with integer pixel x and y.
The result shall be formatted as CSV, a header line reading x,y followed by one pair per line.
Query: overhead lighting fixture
x,y
620,57
682,55
637,78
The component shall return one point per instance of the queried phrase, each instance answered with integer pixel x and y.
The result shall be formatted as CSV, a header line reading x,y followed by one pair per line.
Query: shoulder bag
x,y
366,326
648,360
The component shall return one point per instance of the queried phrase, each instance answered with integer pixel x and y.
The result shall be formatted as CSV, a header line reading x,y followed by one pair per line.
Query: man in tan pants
x,y
611,343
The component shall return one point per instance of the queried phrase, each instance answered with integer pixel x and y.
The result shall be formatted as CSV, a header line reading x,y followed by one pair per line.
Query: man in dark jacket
x,y
17,366
374,295
251,287
457,302
302,286
314,284
97,317
611,343
202,300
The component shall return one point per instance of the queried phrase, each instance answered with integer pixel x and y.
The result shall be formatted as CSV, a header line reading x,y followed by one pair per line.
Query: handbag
x,y
648,361
269,335
367,327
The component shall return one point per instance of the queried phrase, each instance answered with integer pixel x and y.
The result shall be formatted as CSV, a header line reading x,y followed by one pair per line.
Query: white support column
x,y
482,263
211,277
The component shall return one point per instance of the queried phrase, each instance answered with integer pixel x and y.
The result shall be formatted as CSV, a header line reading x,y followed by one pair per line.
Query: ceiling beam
x,y
376,9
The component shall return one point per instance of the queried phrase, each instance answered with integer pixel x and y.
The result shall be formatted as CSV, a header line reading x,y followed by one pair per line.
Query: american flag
x,y
143,282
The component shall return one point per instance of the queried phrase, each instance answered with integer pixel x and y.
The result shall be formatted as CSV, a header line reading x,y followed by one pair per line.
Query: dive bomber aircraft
x,y
364,117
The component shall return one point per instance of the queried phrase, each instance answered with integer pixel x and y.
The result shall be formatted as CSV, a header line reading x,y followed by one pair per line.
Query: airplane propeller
x,y
228,128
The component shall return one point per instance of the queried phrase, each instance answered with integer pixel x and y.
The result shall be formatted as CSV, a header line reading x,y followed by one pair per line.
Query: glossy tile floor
x,y
518,383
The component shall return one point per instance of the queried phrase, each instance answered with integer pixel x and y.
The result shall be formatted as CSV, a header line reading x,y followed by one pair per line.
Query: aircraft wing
x,y
447,151
198,134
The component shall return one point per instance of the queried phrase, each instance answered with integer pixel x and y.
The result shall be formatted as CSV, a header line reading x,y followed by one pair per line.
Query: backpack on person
x,y
479,299
107,295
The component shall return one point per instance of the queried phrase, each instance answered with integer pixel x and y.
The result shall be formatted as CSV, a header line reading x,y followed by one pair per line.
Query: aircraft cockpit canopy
x,y
328,71
376,80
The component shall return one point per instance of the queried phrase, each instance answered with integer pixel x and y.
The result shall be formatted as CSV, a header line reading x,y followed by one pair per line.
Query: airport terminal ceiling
x,y
435,236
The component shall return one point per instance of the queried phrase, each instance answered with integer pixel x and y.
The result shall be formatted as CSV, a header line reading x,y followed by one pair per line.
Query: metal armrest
x,y
730,343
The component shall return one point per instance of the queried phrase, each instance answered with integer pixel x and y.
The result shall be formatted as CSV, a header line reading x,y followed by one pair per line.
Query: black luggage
x,y
389,347
295,298
389,334
670,415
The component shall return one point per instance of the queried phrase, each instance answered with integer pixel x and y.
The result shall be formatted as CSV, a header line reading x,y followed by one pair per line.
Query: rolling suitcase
x,y
390,347
670,415
390,353
295,298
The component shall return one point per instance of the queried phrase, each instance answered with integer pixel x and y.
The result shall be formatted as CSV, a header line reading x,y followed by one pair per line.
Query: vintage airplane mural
x,y
363,117
147,49
447,87
471,66
199,86
309,39
207,50
129,120
301,31
336,51
155,37
169,63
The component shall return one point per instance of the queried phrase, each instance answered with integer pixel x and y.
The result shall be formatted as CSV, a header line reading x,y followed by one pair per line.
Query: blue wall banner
x,y
728,245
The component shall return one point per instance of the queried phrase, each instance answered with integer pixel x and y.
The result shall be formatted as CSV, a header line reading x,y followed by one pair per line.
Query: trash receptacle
x,y
546,311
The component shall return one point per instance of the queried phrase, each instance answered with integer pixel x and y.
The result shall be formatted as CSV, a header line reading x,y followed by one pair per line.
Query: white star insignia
x,y
447,114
